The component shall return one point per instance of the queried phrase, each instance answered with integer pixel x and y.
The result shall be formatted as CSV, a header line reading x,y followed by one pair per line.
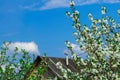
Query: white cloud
x,y
31,47
77,50
30,7
86,2
50,4
111,1
55,4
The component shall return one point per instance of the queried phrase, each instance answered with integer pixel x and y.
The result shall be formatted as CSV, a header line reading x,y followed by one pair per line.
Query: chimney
x,y
66,58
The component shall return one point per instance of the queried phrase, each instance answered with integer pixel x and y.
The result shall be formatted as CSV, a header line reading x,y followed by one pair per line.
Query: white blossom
x,y
72,3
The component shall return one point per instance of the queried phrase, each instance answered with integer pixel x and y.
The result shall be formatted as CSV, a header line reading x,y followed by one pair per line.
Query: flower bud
x,y
72,3
103,10
118,12
67,13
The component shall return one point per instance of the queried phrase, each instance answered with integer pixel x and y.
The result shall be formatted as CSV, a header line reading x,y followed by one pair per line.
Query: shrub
x,y
16,67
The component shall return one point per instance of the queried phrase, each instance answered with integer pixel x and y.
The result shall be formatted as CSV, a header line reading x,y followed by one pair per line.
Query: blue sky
x,y
43,25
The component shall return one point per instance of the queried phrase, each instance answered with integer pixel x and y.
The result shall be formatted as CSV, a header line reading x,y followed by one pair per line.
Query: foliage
x,y
101,43
16,67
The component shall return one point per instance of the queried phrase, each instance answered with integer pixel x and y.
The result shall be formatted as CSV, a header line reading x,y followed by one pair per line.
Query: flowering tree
x,y
12,68
101,42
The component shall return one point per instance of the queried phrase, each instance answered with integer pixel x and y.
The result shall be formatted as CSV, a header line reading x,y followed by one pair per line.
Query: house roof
x,y
52,70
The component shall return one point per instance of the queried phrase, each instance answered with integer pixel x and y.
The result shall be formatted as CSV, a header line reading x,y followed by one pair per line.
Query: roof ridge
x,y
55,57
53,69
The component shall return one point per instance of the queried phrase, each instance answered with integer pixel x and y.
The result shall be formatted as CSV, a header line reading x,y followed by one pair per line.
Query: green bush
x,y
15,66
